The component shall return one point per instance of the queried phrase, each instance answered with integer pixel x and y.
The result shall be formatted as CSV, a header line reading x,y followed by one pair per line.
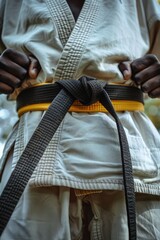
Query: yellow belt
x,y
119,106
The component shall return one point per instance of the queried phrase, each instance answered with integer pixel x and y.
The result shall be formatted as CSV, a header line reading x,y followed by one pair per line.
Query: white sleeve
x,y
2,4
152,11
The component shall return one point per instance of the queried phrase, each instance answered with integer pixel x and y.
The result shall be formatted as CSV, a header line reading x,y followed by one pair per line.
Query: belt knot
x,y
86,90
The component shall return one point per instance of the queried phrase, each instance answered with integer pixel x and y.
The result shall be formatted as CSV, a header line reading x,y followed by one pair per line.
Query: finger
x,y
13,68
151,84
155,93
125,68
9,79
17,57
34,67
5,89
142,63
147,73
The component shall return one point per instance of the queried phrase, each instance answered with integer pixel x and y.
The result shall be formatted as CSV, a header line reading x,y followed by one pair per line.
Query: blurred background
x,y
8,116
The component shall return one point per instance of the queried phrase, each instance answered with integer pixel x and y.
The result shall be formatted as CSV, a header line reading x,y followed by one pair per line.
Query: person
x,y
75,192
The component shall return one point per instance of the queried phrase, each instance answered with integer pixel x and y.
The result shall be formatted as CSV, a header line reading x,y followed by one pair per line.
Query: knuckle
x,y
152,95
158,67
25,59
24,62
17,83
5,89
2,60
141,63
23,74
155,93
2,75
136,78
155,67
135,65
8,52
16,56
4,63
145,88
8,80
151,58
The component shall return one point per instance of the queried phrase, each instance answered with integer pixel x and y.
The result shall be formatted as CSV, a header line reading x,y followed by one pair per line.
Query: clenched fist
x,y
14,68
145,72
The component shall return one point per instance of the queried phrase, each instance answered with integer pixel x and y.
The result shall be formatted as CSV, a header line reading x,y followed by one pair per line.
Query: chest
x,y
75,6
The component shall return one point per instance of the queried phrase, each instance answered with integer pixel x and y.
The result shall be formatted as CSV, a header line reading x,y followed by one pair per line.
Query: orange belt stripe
x,y
119,106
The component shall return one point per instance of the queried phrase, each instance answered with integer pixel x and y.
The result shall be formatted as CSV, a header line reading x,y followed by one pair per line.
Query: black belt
x,y
46,94
86,91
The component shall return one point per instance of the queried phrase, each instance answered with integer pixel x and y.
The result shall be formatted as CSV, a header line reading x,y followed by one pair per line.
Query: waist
x,y
39,97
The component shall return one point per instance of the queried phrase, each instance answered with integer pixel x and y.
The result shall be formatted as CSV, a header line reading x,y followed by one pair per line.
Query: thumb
x,y
125,68
34,67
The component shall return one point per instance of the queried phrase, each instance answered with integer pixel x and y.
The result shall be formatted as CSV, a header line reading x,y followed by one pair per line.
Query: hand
x,y
145,72
14,68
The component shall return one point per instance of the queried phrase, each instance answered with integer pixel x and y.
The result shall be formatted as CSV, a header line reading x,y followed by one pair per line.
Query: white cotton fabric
x,y
84,153
36,217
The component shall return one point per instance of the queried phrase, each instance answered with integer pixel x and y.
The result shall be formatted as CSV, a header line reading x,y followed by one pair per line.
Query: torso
x,y
76,6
